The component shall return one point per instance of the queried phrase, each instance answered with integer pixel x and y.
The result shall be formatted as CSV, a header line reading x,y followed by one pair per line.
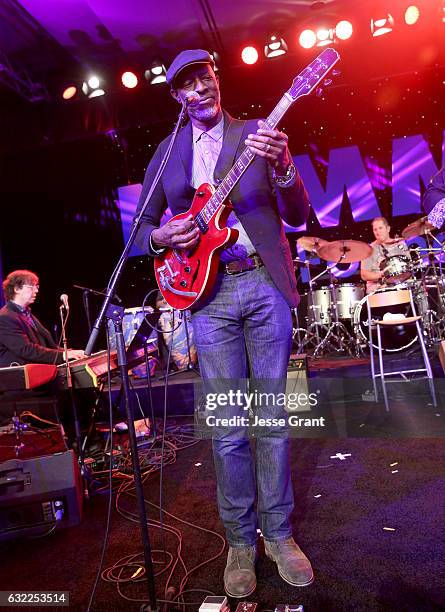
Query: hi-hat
x,y
345,251
418,228
305,262
311,243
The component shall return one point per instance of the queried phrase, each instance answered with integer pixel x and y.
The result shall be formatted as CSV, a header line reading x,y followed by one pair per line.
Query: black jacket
x,y
20,343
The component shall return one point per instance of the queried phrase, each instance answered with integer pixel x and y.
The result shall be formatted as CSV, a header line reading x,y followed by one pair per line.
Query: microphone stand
x,y
86,292
86,303
69,384
109,311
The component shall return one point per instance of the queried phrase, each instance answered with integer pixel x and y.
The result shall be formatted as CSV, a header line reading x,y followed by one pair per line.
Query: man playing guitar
x,y
243,327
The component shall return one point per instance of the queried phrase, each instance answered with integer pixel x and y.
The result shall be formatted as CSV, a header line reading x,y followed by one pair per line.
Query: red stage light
x,y
307,39
343,30
129,80
412,15
69,92
382,25
324,37
249,55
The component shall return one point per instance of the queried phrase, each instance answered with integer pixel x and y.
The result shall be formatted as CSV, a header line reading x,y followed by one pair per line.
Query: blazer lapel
x,y
233,131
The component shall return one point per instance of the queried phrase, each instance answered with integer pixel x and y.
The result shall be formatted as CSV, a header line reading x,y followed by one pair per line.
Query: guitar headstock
x,y
311,77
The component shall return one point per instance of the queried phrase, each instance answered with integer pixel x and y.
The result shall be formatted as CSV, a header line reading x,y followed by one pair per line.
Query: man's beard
x,y
202,114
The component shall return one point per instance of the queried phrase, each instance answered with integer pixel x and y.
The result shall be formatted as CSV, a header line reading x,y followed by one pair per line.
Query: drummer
x,y
383,246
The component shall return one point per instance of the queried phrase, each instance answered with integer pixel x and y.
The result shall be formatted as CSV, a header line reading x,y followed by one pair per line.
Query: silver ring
x,y
268,148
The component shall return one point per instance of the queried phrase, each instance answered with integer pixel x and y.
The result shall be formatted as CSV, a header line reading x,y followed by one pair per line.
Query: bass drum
x,y
394,339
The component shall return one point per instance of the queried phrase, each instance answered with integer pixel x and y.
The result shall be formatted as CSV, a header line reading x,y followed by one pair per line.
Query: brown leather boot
x,y
239,575
293,565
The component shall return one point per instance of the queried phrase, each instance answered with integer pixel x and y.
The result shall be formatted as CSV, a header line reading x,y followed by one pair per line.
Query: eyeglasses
x,y
32,286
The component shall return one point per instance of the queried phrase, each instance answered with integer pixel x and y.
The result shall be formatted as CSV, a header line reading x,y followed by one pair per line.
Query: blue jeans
x,y
244,331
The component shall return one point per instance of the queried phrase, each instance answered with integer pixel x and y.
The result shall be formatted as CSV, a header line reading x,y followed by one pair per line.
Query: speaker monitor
x,y
39,494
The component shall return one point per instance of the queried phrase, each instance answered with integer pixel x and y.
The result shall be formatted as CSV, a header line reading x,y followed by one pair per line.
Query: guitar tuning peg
x,y
327,82
336,72
319,92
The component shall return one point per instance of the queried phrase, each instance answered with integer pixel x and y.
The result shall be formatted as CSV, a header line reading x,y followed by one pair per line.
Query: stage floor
x,y
369,499
368,513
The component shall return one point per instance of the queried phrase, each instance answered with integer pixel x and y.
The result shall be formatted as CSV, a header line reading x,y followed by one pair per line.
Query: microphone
x,y
192,97
64,300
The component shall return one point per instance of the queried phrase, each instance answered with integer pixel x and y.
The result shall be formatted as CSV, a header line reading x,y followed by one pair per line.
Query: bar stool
x,y
388,298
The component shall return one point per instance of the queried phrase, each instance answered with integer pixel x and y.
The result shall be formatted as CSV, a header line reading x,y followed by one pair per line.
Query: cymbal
x,y
345,251
311,243
418,228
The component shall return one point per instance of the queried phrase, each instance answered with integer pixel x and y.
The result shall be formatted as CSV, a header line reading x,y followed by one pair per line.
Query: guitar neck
x,y
242,163
302,85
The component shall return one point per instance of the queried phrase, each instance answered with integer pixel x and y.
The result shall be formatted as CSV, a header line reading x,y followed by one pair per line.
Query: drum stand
x,y
312,333
299,334
343,341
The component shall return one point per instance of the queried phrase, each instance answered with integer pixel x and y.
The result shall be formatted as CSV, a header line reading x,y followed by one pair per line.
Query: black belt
x,y
253,262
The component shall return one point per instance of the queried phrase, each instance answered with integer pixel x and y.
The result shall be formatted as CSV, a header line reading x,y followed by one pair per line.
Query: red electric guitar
x,y
184,277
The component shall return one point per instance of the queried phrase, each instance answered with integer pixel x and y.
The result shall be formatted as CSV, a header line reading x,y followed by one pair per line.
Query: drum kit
x,y
333,317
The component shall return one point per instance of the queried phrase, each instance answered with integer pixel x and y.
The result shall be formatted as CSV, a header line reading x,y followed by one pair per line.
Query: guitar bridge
x,y
167,278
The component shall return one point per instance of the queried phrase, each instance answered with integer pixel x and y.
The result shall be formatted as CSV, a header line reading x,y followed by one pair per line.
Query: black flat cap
x,y
188,58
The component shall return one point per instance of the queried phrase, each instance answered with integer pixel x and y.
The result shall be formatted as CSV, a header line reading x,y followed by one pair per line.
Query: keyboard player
x,y
23,339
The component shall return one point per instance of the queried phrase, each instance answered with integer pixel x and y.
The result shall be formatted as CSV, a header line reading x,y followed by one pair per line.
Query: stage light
x,y
249,55
307,39
96,93
412,15
93,82
275,46
382,25
129,80
216,59
156,74
69,92
93,87
343,30
325,37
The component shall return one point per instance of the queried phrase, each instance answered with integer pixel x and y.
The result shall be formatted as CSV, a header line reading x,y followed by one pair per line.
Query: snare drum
x,y
394,339
397,268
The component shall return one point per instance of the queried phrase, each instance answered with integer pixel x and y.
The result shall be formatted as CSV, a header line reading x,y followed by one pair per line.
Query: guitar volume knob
x,y
187,269
183,283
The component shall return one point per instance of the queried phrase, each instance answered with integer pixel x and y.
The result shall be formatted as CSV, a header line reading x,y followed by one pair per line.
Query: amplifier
x,y
39,494
296,383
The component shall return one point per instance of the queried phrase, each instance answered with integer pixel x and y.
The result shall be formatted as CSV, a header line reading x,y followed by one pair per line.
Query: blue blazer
x,y
258,203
